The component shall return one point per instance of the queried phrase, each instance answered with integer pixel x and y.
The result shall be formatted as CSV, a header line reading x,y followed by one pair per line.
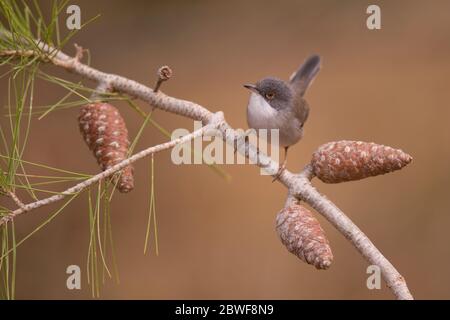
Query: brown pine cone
x,y
106,134
342,161
303,236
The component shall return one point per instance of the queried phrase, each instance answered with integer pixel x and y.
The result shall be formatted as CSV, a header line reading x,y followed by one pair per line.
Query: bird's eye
x,y
270,95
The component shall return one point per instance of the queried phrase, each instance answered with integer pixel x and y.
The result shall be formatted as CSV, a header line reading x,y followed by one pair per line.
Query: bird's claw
x,y
279,172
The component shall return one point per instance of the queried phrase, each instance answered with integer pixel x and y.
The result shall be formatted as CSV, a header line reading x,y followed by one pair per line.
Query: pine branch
x,y
298,185
17,201
109,172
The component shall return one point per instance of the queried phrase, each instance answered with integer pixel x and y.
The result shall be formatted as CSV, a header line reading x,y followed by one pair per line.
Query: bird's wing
x,y
303,77
301,111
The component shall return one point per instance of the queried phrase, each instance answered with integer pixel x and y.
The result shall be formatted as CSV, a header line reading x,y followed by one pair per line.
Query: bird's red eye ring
x,y
270,95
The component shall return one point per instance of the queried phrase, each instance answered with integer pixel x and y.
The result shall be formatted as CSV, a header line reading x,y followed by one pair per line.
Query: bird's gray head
x,y
275,91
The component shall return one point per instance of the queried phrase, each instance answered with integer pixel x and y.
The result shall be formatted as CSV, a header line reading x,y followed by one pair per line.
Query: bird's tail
x,y
303,77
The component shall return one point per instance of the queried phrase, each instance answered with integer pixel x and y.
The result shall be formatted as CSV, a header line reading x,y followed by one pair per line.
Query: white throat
x,y
260,114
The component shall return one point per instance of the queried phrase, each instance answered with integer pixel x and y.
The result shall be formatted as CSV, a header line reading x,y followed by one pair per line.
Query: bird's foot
x,y
279,172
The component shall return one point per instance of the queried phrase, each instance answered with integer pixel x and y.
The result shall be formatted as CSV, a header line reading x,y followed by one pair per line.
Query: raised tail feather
x,y
303,77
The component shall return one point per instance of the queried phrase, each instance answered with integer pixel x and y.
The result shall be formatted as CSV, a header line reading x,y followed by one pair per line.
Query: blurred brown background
x,y
217,239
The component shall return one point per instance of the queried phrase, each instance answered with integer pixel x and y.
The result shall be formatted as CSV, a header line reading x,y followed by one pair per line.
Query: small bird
x,y
277,104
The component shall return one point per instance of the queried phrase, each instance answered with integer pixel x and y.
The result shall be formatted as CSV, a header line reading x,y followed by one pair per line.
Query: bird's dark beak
x,y
251,87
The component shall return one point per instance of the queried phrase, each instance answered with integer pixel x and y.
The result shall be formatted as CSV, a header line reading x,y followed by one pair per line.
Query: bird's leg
x,y
282,167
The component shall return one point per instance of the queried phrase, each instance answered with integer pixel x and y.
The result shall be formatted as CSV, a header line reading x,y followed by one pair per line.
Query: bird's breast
x,y
260,115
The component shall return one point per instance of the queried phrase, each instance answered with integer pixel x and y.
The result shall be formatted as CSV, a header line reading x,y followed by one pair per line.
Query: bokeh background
x,y
217,239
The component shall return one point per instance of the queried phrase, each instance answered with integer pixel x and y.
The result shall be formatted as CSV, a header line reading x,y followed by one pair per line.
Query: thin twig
x,y
164,73
16,199
298,184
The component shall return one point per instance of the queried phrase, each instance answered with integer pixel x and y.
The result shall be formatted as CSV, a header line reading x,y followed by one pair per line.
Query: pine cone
x,y
303,236
106,134
345,160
